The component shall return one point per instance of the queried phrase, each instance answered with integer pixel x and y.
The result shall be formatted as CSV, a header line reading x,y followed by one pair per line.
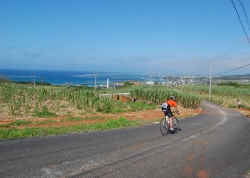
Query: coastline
x,y
73,78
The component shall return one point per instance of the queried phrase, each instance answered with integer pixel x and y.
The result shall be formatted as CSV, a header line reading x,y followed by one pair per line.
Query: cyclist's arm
x,y
177,110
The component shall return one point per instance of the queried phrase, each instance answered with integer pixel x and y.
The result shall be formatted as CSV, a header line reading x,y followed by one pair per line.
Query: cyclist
x,y
166,108
239,104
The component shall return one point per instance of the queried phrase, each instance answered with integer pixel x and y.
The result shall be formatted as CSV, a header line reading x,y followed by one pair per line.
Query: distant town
x,y
171,80
201,80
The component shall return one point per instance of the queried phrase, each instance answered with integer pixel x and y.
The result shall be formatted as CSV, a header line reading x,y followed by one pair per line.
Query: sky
x,y
183,37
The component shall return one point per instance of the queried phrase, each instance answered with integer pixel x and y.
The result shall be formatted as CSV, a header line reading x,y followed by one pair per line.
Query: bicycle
x,y
165,126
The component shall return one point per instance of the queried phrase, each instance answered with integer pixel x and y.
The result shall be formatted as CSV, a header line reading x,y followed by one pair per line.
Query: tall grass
x,y
49,101
157,96
22,100
223,95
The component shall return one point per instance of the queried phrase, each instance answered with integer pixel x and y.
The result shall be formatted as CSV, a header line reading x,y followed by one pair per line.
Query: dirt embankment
x,y
148,115
243,111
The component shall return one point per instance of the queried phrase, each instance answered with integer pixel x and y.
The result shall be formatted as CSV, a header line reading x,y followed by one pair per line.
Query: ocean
x,y
57,77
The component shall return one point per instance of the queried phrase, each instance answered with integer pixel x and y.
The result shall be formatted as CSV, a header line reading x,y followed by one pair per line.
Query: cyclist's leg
x,y
176,121
170,115
164,112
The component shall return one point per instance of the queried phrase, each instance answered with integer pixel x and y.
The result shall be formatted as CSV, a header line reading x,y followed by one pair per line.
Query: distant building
x,y
82,84
150,82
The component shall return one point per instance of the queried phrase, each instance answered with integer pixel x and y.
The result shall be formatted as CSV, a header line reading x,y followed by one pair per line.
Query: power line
x,y
239,46
245,13
240,21
234,69
231,50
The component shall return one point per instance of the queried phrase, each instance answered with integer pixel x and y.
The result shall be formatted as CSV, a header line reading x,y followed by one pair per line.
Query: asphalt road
x,y
213,144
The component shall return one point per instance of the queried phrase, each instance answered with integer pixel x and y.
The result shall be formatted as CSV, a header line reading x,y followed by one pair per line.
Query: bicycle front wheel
x,y
176,125
163,126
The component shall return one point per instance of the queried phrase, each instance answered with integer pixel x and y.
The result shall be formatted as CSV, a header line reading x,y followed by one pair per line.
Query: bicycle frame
x,y
165,125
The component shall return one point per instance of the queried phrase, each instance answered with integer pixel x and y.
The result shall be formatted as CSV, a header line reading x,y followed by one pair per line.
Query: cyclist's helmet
x,y
172,97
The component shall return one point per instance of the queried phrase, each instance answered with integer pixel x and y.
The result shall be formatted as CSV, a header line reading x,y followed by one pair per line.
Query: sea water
x,y
90,78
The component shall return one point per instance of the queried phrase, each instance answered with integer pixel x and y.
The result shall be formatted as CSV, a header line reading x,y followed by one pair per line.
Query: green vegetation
x,y
36,83
20,100
229,83
30,132
25,100
225,94
157,96
44,113
50,101
128,84
17,123
3,79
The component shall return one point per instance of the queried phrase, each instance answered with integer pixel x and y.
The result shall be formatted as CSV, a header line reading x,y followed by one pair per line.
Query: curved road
x,y
213,144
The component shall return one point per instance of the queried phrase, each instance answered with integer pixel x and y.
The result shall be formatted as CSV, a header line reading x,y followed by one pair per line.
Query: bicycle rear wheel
x,y
163,126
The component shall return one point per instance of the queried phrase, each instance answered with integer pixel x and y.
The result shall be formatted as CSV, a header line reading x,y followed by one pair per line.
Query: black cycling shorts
x,y
167,111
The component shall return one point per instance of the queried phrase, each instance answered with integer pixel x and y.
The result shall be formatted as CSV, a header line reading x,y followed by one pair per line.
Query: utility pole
x,y
167,81
192,79
210,84
150,77
183,80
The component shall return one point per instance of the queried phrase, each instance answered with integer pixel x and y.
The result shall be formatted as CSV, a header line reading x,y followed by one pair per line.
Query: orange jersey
x,y
171,103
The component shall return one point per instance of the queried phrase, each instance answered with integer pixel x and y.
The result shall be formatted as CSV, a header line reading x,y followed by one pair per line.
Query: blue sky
x,y
167,36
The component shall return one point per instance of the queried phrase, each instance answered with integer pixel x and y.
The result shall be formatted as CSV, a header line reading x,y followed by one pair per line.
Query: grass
x,y
223,95
13,132
80,119
44,113
49,102
18,123
45,122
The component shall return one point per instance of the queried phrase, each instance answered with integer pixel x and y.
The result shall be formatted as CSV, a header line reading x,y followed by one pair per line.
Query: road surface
x,y
213,144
